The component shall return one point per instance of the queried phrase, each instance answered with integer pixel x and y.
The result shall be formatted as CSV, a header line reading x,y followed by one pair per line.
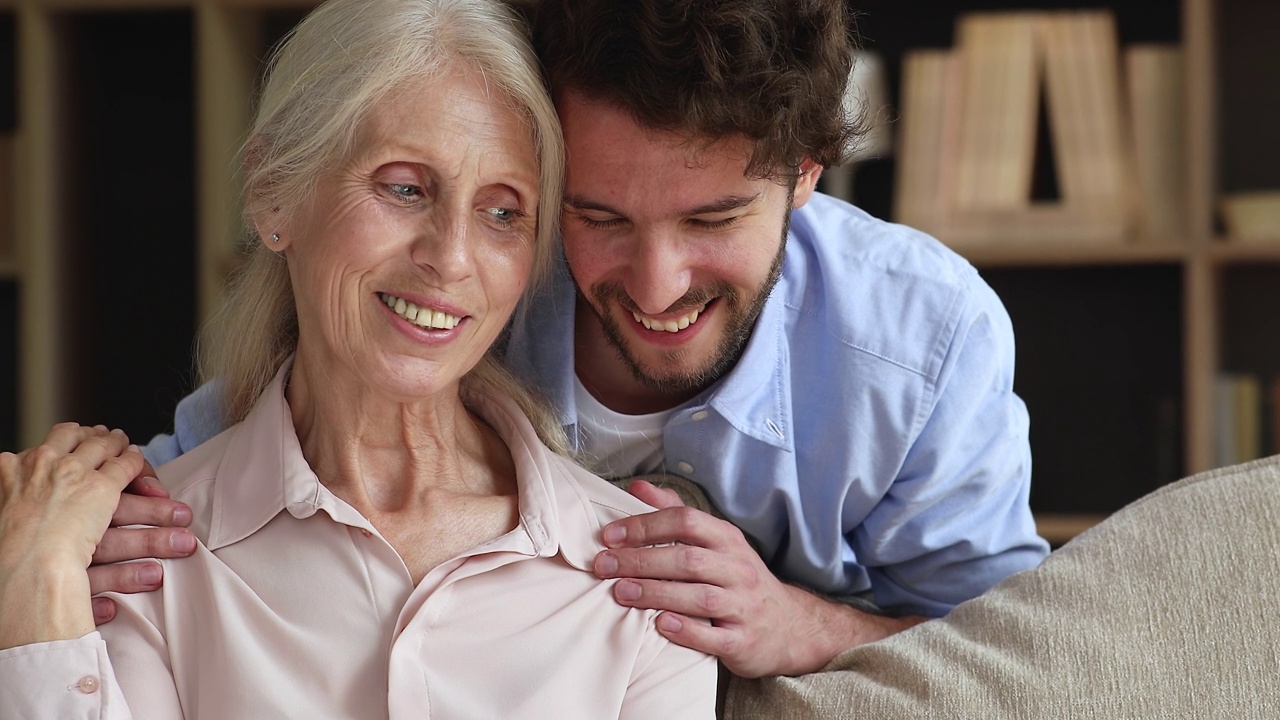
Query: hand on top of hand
x,y
704,567
56,500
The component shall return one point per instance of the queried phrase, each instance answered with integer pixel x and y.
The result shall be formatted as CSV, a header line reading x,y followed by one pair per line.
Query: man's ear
x,y
806,183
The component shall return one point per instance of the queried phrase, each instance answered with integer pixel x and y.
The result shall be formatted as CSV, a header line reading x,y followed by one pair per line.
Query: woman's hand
x,y
56,501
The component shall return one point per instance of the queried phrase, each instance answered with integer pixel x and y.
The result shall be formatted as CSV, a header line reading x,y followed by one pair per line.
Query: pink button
x,y
365,533
87,685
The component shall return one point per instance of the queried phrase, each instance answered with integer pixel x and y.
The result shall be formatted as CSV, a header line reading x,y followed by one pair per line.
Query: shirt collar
x,y
755,395
555,509
262,471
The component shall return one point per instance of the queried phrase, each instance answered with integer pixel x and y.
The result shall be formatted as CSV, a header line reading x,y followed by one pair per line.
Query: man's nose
x,y
658,275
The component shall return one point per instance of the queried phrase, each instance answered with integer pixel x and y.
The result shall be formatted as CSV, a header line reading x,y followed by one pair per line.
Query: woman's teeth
x,y
422,317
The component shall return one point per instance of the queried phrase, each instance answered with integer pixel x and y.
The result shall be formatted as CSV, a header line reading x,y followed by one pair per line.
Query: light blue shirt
x,y
869,438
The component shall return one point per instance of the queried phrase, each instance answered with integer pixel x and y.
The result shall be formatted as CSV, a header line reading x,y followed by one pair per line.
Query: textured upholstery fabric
x,y
1166,610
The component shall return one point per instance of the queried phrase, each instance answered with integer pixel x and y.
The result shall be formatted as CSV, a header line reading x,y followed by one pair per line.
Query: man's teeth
x,y
422,317
670,326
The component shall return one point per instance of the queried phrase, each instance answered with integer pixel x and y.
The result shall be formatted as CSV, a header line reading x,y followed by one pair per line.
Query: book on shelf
x,y
926,144
1000,89
973,184
1246,417
1082,86
1154,83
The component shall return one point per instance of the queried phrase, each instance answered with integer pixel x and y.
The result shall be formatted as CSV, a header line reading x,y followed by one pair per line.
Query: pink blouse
x,y
294,606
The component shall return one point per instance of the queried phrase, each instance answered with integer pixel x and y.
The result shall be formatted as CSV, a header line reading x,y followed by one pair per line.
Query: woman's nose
x,y
443,245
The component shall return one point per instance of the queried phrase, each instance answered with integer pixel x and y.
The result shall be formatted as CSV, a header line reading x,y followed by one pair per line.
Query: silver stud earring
x,y
275,238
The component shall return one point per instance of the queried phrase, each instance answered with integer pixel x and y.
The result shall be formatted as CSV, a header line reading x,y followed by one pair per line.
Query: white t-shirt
x,y
616,445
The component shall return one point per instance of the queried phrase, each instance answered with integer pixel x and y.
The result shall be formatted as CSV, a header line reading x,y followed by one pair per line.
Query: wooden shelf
x,y
1226,252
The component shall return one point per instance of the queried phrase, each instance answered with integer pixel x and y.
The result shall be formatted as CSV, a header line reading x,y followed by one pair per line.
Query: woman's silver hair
x,y
329,71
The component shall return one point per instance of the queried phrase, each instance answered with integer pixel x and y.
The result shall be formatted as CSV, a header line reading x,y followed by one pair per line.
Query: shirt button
x,y
87,685
365,533
684,467
700,415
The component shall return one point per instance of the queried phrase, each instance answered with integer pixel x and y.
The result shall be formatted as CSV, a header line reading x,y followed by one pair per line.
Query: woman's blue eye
x,y
404,192
505,216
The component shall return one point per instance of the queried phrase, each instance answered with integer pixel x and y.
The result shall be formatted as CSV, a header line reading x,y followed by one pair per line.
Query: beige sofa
x,y
1169,609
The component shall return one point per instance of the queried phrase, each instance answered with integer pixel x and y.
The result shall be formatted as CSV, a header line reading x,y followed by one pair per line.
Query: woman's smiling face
x,y
410,258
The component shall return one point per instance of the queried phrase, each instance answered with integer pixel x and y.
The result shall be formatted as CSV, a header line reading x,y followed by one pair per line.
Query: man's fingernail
x,y
150,573
183,542
182,515
627,590
669,622
154,485
606,565
614,534
101,610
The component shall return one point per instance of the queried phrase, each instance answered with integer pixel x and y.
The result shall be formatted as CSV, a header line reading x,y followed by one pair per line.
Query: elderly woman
x,y
384,531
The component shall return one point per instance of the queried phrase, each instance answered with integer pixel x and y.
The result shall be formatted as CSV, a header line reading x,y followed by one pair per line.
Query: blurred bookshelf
x,y
1110,168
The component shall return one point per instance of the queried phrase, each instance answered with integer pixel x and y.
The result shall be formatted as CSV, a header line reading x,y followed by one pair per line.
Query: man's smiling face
x,y
672,247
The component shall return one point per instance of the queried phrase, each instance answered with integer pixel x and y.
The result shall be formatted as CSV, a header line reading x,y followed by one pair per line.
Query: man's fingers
x,y
651,494
126,578
695,599
725,643
676,524
104,610
119,544
151,510
687,563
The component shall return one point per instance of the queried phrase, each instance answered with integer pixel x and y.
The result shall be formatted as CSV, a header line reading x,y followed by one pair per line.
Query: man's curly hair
x,y
774,71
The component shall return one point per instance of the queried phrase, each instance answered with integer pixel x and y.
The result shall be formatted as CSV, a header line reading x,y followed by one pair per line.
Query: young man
x,y
841,388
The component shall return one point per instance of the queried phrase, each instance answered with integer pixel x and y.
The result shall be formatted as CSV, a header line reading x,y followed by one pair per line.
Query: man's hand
x,y
759,625
144,502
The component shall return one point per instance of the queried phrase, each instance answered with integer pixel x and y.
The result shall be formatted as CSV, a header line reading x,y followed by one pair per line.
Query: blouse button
x,y
700,415
87,685
684,467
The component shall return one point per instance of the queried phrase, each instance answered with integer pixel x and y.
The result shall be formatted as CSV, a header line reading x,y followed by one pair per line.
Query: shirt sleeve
x,y
956,520
75,680
197,419
677,683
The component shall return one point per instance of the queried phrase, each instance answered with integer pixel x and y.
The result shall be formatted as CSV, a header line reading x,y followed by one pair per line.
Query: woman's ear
x,y
271,227
806,182
269,223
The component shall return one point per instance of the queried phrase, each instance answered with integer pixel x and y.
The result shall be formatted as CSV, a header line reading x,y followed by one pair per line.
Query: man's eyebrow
x,y
577,202
726,204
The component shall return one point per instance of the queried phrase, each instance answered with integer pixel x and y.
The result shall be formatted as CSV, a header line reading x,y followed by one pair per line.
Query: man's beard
x,y
741,321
